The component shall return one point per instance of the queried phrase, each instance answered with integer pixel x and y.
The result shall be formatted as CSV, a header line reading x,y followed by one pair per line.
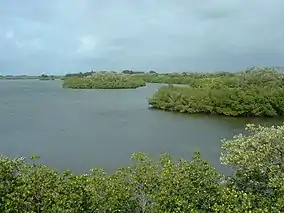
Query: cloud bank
x,y
61,36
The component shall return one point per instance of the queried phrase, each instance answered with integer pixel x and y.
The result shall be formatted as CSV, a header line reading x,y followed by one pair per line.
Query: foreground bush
x,y
258,162
103,81
251,93
257,185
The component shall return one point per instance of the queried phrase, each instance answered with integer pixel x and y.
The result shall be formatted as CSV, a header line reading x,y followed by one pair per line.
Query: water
x,y
82,129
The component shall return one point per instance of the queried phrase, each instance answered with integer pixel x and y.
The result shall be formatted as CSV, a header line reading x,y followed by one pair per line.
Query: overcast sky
x,y
61,36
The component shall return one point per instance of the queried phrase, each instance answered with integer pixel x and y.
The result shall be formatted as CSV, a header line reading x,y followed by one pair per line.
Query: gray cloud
x,y
60,36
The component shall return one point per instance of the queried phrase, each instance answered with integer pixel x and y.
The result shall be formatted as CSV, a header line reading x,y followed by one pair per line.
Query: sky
x,y
64,36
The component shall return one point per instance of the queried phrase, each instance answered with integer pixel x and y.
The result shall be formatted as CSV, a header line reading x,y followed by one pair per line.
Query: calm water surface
x,y
81,129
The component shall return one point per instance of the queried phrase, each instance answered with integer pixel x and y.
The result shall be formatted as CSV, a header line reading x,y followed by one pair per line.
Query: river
x,y
82,129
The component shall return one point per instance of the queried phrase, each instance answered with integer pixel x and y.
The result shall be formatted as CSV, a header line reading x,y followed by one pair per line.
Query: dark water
x,y
81,129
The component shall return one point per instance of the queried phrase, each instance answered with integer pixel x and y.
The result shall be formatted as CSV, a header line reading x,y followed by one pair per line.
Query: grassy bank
x,y
254,92
149,186
103,81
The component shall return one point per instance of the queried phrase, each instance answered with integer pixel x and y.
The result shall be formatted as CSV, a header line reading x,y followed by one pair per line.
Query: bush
x,y
163,186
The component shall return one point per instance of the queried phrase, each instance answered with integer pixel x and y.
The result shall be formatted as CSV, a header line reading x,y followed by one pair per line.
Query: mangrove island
x,y
253,92
103,81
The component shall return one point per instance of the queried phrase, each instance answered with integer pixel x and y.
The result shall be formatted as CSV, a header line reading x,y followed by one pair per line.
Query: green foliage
x,y
230,101
235,200
187,186
143,187
167,186
255,92
258,160
103,81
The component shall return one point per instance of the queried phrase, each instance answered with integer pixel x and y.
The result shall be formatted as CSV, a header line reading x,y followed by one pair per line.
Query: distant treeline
x,y
154,77
23,77
80,74
14,77
84,74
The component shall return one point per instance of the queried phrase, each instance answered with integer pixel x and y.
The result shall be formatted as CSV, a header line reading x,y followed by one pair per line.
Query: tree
x,y
44,76
127,72
258,161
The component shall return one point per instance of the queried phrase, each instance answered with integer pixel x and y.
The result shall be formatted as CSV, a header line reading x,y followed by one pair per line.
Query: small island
x,y
253,92
103,81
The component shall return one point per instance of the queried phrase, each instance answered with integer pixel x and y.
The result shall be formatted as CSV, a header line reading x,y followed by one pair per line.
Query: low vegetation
x,y
257,184
254,92
103,81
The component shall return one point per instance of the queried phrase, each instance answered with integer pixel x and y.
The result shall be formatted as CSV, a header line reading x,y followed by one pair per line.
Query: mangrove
x,y
163,185
103,81
253,92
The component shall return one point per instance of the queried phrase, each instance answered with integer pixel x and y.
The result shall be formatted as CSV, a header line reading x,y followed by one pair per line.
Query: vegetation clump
x,y
257,184
103,81
45,77
254,92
